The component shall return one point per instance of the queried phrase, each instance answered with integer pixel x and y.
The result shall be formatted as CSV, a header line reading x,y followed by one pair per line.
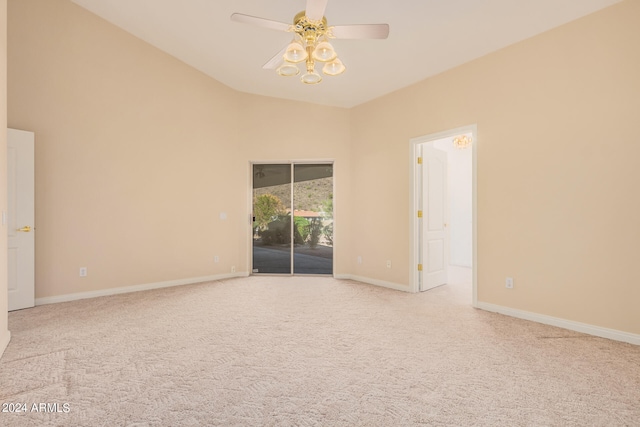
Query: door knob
x,y
26,229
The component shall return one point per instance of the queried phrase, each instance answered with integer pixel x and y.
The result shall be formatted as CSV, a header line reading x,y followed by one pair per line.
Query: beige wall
x,y
137,154
558,169
4,328
278,130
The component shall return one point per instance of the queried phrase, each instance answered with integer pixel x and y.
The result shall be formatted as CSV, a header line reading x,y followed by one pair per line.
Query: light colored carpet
x,y
291,351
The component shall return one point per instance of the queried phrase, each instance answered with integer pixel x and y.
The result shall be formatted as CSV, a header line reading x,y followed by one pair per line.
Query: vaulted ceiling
x,y
426,37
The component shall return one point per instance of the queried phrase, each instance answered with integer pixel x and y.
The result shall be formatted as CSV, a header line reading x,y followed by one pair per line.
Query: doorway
x,y
443,206
292,212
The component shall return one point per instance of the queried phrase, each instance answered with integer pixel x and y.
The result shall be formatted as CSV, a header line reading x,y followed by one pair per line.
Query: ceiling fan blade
x,y
315,9
363,31
261,22
276,61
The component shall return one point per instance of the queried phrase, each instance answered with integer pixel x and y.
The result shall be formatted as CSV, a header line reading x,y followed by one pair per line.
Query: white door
x,y
21,218
435,244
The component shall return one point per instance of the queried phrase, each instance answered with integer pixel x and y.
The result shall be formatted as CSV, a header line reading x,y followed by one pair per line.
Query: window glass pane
x,y
272,218
313,219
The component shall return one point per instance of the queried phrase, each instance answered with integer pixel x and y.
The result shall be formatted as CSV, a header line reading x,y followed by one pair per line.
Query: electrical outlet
x,y
509,283
83,271
359,259
233,269
388,263
216,258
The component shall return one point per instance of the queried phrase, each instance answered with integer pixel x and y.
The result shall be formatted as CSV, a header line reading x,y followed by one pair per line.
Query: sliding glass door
x,y
292,218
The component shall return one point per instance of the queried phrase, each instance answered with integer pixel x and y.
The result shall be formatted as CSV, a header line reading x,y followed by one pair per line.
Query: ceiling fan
x,y
310,42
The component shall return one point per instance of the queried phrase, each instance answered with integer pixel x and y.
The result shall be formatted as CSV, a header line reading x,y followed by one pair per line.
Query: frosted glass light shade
x,y
311,78
333,68
295,53
288,70
324,52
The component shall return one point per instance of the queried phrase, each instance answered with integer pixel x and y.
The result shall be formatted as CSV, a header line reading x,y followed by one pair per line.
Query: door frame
x,y
249,240
415,237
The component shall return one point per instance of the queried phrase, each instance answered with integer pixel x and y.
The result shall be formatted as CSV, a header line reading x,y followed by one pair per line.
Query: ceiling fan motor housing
x,y
308,29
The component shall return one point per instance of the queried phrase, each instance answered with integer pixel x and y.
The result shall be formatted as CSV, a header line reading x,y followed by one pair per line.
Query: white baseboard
x,y
4,341
134,288
396,286
585,328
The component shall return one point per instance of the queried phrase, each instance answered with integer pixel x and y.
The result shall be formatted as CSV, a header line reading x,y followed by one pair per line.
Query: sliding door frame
x,y
292,163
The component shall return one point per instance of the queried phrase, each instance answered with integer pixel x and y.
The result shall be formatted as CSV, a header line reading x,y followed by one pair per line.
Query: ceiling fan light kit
x,y
311,42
